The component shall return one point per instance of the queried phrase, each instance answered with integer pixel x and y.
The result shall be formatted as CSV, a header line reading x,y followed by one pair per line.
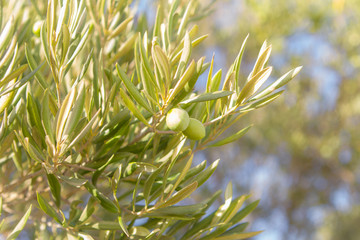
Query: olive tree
x,y
100,122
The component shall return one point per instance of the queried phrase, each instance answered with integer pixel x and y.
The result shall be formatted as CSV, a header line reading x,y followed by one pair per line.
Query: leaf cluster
x,y
83,136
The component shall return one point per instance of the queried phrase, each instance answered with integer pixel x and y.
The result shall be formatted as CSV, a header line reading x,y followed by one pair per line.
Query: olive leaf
x,y
20,226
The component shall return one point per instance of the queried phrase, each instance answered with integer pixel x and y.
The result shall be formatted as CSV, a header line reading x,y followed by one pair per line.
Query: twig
x,y
21,180
79,167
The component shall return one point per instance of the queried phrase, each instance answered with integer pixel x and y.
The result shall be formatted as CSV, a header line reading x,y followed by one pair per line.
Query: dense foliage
x,y
88,147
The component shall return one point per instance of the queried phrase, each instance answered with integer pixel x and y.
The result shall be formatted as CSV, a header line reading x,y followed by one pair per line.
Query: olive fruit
x,y
177,119
195,130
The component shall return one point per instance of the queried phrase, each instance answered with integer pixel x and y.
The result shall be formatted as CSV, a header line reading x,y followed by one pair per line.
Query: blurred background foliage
x,y
302,156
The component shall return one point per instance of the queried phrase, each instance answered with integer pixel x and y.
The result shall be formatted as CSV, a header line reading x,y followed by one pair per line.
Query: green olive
x,y
195,130
177,119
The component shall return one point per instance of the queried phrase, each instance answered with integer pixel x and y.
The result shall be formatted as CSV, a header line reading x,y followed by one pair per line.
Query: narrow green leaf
x,y
185,56
239,228
115,180
195,170
133,90
76,182
34,113
95,98
7,33
46,118
20,226
61,19
194,43
192,33
162,63
245,211
208,97
182,81
180,195
179,212
123,226
131,106
100,170
110,101
139,231
105,202
170,20
215,81
238,236
83,236
65,41
149,81
76,111
254,84
200,67
119,121
88,210
32,64
85,130
262,102
237,65
11,65
158,19
124,49
5,102
184,19
278,83
150,87
235,205
173,158
145,62
10,52
231,138
135,189
64,113
121,27
85,66
14,74
4,125
55,188
263,57
198,227
80,15
49,210
220,229
102,225
183,173
203,176
79,46
224,207
50,20
208,82
150,182
33,152
44,43
167,215
10,72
